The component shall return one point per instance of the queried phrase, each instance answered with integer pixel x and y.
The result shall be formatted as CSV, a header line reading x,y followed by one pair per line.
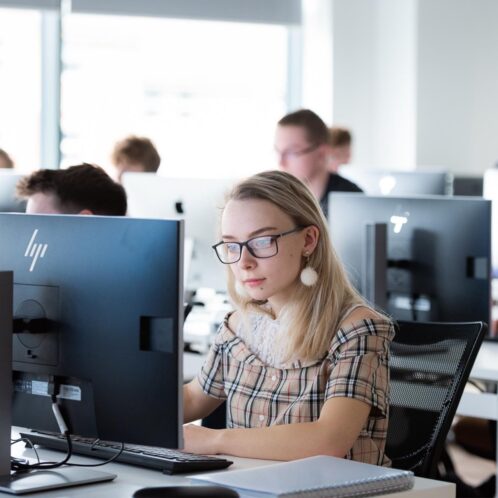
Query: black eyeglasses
x,y
293,154
260,247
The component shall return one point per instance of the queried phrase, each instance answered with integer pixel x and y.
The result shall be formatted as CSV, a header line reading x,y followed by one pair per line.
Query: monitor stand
x,y
43,480
37,480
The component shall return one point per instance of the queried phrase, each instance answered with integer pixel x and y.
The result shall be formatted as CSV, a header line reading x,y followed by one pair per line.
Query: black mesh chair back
x,y
430,365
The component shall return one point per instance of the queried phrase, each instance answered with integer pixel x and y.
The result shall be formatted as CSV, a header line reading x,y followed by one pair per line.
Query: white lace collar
x,y
264,337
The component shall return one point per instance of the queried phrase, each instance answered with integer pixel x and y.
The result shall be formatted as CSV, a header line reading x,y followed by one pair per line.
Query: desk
x,y
132,478
192,364
477,404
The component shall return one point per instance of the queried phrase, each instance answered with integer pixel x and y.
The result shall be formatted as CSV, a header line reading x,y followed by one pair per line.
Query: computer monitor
x,y
397,183
471,186
97,320
8,201
423,258
196,200
490,191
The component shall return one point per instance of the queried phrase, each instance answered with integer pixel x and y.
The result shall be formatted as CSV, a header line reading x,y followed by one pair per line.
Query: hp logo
x,y
35,250
399,221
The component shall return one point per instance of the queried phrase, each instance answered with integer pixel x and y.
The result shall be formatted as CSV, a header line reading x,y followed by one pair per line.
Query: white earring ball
x,y
308,276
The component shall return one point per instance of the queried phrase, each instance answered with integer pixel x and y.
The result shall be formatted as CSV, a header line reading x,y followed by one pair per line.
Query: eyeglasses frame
x,y
298,153
241,245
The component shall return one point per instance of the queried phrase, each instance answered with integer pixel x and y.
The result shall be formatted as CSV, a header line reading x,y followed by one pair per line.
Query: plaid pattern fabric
x,y
258,395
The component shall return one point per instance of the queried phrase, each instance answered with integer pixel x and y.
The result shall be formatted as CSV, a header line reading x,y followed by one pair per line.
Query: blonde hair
x,y
339,136
314,313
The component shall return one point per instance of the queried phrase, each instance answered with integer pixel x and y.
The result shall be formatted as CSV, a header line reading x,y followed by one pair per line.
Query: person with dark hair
x,y
135,154
302,142
82,189
340,147
6,161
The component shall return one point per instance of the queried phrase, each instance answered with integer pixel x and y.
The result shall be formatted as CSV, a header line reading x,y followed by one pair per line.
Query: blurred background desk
x,y
482,404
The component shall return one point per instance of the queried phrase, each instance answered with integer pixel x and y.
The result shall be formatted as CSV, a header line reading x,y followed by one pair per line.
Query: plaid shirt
x,y
258,395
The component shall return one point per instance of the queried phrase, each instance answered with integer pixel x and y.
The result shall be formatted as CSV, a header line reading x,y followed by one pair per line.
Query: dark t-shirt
x,y
336,183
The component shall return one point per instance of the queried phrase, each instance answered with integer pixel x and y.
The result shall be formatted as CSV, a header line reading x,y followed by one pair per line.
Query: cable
x,y
112,459
20,465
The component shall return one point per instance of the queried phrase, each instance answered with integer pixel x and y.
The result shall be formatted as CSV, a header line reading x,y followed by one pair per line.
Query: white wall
x,y
374,78
457,84
353,71
417,81
394,105
317,74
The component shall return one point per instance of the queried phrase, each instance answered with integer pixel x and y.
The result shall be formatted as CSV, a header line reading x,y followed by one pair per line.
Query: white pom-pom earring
x,y
241,290
308,275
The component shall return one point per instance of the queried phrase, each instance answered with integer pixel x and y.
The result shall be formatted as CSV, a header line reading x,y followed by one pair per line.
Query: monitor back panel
x,y
398,183
8,200
199,201
438,251
110,289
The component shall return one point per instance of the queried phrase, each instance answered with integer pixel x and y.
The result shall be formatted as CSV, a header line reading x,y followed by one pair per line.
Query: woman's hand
x,y
201,440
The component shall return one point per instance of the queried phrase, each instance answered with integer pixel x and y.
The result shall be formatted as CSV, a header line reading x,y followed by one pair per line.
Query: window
x,y
20,86
207,93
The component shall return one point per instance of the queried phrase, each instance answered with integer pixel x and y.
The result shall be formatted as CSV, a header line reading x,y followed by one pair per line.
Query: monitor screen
x,y
436,259
398,183
196,200
97,321
8,201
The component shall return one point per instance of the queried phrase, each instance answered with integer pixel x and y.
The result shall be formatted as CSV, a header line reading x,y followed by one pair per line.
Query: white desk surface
x,y
132,478
480,404
192,364
486,364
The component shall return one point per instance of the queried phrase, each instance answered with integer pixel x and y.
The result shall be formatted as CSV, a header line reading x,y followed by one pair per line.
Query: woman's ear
x,y
311,237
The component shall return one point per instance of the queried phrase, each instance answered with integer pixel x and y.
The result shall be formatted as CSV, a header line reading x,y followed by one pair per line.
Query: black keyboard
x,y
152,457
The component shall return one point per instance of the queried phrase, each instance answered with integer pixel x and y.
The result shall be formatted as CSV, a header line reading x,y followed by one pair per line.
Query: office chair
x,y
430,365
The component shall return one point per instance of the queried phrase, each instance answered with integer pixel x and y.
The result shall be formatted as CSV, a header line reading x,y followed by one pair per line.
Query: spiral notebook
x,y
313,477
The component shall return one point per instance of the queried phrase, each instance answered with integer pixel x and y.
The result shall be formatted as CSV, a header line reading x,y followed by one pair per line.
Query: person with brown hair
x,y
303,361
6,161
81,189
340,148
302,142
135,154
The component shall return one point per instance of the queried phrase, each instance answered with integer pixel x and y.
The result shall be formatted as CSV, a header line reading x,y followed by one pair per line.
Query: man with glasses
x,y
302,142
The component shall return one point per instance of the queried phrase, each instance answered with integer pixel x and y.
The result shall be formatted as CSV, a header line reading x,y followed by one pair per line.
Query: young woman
x,y
303,361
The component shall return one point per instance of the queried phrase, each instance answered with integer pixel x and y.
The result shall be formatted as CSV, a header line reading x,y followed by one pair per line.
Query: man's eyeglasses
x,y
293,154
260,247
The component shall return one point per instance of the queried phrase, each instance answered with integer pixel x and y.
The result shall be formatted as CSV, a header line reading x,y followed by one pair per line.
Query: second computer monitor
x,y
9,203
199,202
398,183
437,260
